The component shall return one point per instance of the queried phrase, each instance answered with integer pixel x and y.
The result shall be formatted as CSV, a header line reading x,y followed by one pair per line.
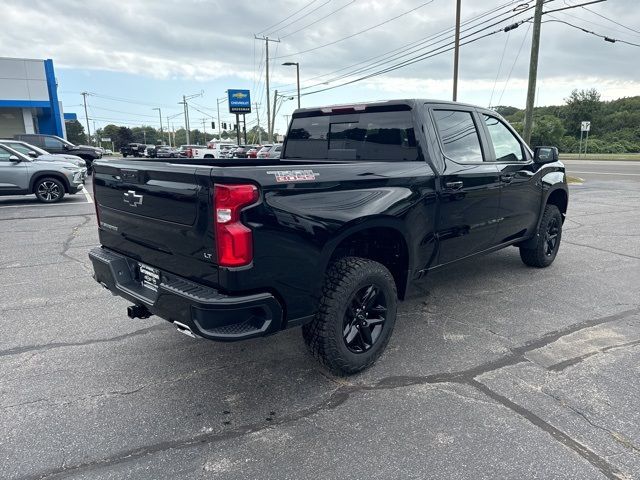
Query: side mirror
x,y
32,154
14,158
545,154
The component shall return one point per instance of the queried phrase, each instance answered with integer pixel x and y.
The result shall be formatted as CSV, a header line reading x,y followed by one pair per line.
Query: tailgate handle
x,y
453,185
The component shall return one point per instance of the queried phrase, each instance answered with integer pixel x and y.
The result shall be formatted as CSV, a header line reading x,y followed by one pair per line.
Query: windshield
x,y
6,152
25,148
384,135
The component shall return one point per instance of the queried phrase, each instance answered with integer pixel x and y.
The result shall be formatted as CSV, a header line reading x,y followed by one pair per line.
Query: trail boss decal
x,y
294,175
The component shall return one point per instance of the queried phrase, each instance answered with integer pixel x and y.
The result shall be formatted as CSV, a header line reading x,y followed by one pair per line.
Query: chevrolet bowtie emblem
x,y
132,198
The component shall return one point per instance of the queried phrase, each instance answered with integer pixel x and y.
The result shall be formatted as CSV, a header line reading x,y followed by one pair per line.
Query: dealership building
x,y
29,98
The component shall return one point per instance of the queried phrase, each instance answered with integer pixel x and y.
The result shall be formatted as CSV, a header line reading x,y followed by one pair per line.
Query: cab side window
x,y
459,135
505,144
52,143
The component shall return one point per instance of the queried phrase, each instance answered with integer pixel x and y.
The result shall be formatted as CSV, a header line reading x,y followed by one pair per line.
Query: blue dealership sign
x,y
239,101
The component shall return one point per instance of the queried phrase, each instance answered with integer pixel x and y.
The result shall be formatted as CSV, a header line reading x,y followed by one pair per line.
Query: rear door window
x,y
459,135
368,136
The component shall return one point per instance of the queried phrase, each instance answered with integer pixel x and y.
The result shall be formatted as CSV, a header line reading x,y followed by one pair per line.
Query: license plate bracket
x,y
149,277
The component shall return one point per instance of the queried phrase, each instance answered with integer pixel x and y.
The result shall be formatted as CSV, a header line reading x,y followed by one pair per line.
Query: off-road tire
x,y
540,255
49,190
324,336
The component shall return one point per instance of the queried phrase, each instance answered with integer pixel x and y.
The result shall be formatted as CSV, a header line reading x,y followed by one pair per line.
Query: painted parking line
x,y
608,173
86,195
38,205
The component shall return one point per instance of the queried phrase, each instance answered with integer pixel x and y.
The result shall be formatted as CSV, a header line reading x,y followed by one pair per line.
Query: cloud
x,y
208,40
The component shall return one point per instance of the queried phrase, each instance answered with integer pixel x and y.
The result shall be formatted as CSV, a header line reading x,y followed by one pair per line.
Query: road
x,y
604,170
494,370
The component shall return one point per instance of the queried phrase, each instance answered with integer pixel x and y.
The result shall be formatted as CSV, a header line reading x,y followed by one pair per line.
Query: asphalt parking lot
x,y
495,370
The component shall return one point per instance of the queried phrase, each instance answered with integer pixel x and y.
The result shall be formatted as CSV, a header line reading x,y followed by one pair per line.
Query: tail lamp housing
x,y
234,240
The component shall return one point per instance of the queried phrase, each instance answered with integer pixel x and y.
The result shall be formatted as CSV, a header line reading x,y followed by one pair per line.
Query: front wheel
x,y
356,316
49,190
543,251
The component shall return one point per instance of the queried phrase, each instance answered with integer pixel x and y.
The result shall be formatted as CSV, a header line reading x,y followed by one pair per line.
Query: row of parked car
x,y
46,166
225,150
213,149
141,150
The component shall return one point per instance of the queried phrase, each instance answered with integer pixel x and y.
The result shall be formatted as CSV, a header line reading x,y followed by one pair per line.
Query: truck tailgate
x,y
158,214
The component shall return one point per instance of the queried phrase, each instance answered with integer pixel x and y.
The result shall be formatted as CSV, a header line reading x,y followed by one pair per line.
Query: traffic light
x,y
213,125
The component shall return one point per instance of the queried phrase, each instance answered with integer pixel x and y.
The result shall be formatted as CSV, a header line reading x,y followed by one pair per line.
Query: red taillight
x,y
234,241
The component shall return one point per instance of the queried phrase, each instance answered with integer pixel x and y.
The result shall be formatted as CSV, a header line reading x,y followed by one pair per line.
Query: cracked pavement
x,y
494,370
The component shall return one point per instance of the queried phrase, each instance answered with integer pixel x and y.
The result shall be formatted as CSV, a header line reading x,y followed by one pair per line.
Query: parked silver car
x,y
48,180
36,152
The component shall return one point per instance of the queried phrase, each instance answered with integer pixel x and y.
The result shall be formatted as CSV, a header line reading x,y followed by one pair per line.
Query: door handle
x,y
506,178
453,185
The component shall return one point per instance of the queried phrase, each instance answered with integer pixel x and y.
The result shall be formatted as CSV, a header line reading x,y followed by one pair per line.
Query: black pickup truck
x,y
365,199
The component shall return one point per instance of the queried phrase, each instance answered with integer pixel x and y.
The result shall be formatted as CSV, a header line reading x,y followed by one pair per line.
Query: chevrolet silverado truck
x,y
364,200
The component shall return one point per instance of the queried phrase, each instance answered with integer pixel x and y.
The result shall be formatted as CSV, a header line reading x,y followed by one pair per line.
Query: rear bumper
x,y
207,312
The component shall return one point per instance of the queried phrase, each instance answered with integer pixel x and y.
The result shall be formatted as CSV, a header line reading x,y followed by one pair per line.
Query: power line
x,y
318,20
495,82
604,37
432,52
609,19
598,24
357,33
298,19
287,18
120,111
515,60
411,47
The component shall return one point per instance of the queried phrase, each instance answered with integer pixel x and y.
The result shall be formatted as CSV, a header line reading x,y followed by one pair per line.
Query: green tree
x,y
75,132
547,130
123,136
581,105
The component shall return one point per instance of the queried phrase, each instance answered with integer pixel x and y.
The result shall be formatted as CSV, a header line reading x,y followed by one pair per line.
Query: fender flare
x,y
360,225
49,173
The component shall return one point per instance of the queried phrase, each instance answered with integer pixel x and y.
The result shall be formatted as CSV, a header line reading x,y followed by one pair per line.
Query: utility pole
x,y
160,114
86,116
266,41
456,53
258,118
186,116
273,121
204,129
533,72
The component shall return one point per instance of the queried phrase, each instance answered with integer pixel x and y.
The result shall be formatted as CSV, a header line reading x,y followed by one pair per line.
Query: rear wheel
x,y
49,190
356,316
547,240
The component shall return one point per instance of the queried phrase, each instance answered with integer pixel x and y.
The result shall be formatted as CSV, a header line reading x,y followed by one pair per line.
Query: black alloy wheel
x,y
364,319
551,236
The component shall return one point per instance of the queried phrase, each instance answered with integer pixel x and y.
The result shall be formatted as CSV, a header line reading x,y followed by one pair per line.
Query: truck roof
x,y
411,102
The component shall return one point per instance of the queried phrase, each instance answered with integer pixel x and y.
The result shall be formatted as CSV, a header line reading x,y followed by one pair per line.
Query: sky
x,y
138,55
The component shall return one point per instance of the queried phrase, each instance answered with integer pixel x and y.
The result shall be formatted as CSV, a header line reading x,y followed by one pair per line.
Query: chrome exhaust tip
x,y
182,328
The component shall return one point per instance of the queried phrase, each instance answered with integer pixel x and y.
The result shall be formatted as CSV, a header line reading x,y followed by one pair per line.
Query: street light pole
x,y
290,64
160,115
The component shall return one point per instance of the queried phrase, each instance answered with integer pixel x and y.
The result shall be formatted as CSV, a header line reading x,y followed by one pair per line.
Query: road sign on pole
x,y
585,126
239,101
